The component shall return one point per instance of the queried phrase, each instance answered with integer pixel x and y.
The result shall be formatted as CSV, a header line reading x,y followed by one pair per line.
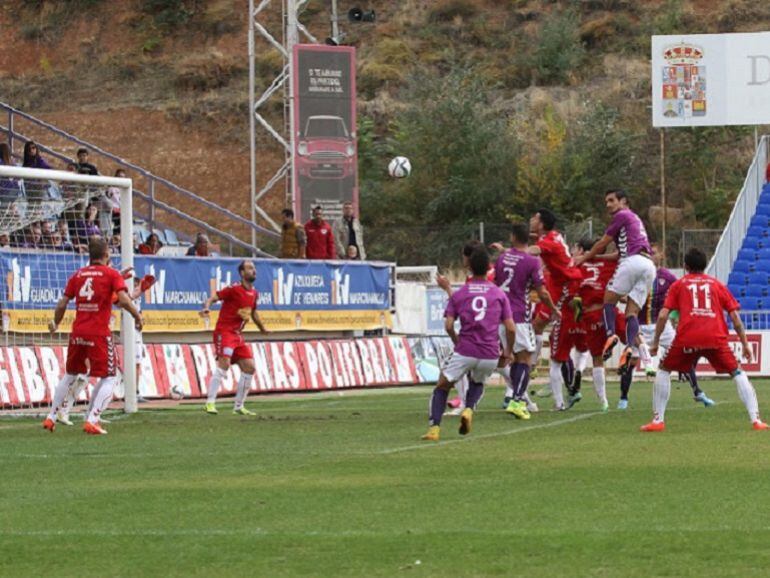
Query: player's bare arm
x,y
608,256
258,322
444,283
449,327
534,250
660,325
748,354
125,302
207,305
545,297
58,313
597,249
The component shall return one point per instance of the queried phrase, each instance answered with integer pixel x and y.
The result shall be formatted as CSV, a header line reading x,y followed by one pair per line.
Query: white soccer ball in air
x,y
177,393
399,167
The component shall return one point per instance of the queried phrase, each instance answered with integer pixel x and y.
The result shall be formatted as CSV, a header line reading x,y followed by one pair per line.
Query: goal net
x,y
46,219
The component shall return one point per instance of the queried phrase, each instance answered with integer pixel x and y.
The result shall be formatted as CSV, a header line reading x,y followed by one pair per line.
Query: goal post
x,y
44,232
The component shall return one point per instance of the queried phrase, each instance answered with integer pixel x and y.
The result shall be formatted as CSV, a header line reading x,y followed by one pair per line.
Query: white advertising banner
x,y
711,79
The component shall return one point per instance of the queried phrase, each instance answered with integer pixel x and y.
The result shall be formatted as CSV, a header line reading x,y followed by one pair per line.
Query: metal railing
x,y
745,205
153,182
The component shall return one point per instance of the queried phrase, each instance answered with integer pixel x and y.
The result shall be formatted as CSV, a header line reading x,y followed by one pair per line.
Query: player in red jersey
x,y
596,276
701,301
562,283
92,287
239,305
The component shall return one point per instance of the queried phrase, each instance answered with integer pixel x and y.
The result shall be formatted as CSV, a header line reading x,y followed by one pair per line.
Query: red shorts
x,y
683,359
593,326
565,335
231,345
97,350
558,296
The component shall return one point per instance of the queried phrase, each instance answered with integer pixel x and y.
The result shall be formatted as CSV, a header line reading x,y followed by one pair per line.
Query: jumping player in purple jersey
x,y
634,275
517,273
481,307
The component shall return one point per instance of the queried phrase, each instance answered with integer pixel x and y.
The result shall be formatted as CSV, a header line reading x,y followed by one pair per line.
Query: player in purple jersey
x,y
481,307
517,273
649,315
634,275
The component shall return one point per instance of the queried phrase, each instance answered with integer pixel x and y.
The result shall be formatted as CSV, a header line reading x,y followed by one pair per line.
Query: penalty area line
x,y
426,445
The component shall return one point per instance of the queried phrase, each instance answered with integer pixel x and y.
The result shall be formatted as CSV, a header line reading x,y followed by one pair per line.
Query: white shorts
x,y
666,338
633,278
525,338
458,365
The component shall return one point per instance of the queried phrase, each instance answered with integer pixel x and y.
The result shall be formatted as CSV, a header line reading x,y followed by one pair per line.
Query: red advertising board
x,y
755,342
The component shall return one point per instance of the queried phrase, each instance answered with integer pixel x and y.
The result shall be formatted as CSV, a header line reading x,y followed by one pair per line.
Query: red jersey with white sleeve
x,y
92,288
702,302
235,298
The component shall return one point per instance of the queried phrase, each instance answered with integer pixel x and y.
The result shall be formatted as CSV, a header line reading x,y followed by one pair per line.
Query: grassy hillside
x,y
558,89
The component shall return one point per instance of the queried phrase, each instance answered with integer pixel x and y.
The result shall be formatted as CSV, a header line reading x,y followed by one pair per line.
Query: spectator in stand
x,y
32,158
113,194
320,238
5,241
83,166
293,238
115,244
5,155
58,243
88,226
200,248
348,232
151,246
46,231
64,231
352,253
29,238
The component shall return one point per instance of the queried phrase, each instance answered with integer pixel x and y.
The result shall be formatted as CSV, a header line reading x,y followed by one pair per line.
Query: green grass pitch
x,y
340,485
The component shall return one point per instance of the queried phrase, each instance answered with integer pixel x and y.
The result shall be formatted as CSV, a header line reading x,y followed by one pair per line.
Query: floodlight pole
x,y
335,21
292,38
252,128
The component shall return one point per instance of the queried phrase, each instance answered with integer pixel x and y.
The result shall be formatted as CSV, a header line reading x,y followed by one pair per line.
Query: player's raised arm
x,y
58,313
207,305
125,302
597,249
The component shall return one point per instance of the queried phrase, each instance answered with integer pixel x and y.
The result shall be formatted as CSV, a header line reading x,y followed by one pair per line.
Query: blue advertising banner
x,y
437,300
294,295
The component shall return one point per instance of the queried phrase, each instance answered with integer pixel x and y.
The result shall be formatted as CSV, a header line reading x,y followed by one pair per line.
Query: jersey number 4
x,y
87,289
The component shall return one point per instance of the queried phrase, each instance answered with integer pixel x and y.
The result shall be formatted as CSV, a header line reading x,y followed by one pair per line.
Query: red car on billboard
x,y
325,149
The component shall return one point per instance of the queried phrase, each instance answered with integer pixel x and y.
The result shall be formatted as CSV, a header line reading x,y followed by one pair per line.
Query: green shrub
x,y
559,50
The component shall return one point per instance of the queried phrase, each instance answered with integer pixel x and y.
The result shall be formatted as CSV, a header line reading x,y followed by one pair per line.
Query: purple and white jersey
x,y
629,234
664,279
516,273
481,307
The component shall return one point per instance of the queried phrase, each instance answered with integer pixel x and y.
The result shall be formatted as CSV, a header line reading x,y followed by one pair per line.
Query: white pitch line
x,y
426,445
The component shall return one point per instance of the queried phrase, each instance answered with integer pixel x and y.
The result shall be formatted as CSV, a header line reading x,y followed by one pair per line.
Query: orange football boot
x,y
759,425
49,424
654,426
94,429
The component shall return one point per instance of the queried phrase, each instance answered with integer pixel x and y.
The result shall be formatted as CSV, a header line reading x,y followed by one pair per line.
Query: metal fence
x,y
732,238
151,192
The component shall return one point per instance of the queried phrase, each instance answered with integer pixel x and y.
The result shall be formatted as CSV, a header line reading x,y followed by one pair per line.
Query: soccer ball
x,y
399,167
177,393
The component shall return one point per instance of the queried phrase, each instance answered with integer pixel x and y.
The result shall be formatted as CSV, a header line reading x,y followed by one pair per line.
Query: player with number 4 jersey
x,y
702,302
481,307
91,348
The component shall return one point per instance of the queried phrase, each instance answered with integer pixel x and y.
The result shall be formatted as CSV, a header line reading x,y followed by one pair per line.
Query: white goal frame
x,y
126,255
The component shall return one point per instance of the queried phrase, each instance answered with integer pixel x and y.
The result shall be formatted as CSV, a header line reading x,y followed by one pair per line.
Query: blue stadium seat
x,y
763,255
171,237
758,278
760,221
742,266
762,266
756,290
764,198
737,278
753,243
747,255
763,210
737,290
758,231
750,303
